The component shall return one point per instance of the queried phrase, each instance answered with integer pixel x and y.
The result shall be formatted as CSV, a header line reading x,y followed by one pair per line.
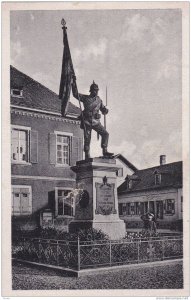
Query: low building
x,y
157,190
127,168
44,146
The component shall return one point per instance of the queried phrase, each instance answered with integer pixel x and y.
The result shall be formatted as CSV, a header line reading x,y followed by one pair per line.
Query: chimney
x,y
162,160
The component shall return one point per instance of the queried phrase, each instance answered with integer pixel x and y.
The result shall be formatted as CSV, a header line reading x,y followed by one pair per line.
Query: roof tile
x,y
35,95
171,175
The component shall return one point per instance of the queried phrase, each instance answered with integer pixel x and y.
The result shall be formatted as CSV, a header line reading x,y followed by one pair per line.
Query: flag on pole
x,y
66,75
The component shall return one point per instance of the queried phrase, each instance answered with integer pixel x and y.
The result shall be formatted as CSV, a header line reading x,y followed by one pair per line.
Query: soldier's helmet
x,y
93,86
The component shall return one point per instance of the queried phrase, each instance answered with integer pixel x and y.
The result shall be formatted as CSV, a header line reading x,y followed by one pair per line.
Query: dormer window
x,y
17,93
130,184
132,180
157,179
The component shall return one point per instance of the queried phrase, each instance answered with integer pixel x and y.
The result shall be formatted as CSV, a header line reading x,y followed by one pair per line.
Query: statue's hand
x,y
105,111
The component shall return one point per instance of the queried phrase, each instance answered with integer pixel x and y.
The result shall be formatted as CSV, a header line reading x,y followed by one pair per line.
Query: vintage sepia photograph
x,y
97,115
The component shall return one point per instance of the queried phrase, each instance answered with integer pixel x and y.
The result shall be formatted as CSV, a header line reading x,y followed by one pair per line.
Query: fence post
x,y
78,254
138,258
110,261
57,254
162,249
39,252
150,255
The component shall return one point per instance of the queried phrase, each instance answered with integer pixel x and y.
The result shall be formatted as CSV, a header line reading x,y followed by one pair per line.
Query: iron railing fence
x,y
47,251
92,254
120,253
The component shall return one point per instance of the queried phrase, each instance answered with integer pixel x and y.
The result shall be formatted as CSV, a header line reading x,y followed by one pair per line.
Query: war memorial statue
x,y
97,205
90,118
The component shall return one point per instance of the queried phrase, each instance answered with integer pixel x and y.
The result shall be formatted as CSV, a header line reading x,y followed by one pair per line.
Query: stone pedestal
x,y
97,207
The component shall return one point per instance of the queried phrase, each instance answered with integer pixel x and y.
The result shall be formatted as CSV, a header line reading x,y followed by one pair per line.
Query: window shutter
x,y
34,146
52,148
80,149
164,206
75,150
25,203
173,207
16,204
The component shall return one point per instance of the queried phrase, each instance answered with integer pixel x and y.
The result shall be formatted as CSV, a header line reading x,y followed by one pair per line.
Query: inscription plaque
x,y
105,199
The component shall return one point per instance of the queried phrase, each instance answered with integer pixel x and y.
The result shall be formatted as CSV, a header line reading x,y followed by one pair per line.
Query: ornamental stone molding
x,y
39,115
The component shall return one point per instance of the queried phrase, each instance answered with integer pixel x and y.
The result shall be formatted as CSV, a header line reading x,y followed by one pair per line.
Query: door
x,y
159,207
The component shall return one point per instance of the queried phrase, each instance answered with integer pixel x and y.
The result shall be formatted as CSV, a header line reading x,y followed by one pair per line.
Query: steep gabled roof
x,y
171,176
126,162
35,95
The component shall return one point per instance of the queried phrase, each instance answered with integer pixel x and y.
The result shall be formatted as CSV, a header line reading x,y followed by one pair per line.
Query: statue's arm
x,y
75,91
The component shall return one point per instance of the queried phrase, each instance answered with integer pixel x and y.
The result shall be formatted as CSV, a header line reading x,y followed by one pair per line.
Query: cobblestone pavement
x,y
156,277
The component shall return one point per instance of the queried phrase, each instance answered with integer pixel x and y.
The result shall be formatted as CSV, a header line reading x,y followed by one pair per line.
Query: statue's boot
x,y
106,153
87,155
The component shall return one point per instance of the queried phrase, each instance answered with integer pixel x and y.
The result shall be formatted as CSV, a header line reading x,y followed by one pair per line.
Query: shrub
x,y
131,236
59,234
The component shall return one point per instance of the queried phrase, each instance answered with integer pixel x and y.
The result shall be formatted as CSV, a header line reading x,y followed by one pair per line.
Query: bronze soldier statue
x,y
90,118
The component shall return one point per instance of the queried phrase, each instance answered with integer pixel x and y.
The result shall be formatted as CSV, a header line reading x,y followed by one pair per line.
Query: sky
x,y
135,53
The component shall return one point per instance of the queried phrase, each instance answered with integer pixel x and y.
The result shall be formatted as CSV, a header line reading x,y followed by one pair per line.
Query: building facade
x,y
44,146
157,190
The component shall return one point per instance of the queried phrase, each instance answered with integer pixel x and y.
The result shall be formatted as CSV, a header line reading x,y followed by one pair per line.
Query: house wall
x,y
43,191
44,175
154,195
44,126
126,171
180,205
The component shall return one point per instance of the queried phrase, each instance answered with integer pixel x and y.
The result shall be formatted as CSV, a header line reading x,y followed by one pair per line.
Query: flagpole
x,y
105,105
84,126
63,23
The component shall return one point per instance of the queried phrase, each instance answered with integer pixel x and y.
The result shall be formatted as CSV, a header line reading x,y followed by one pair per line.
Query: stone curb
x,y
92,271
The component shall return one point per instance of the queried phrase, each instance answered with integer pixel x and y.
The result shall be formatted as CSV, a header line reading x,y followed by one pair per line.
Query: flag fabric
x,y
66,76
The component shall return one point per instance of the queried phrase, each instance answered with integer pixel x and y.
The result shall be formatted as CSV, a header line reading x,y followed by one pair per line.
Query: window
x,y
63,149
170,206
119,173
130,184
20,145
21,200
124,208
132,205
17,93
24,145
128,209
157,179
143,208
137,208
151,207
120,209
65,202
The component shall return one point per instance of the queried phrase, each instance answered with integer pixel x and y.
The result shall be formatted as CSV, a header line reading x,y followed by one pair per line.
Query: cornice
x,y
39,115
156,188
